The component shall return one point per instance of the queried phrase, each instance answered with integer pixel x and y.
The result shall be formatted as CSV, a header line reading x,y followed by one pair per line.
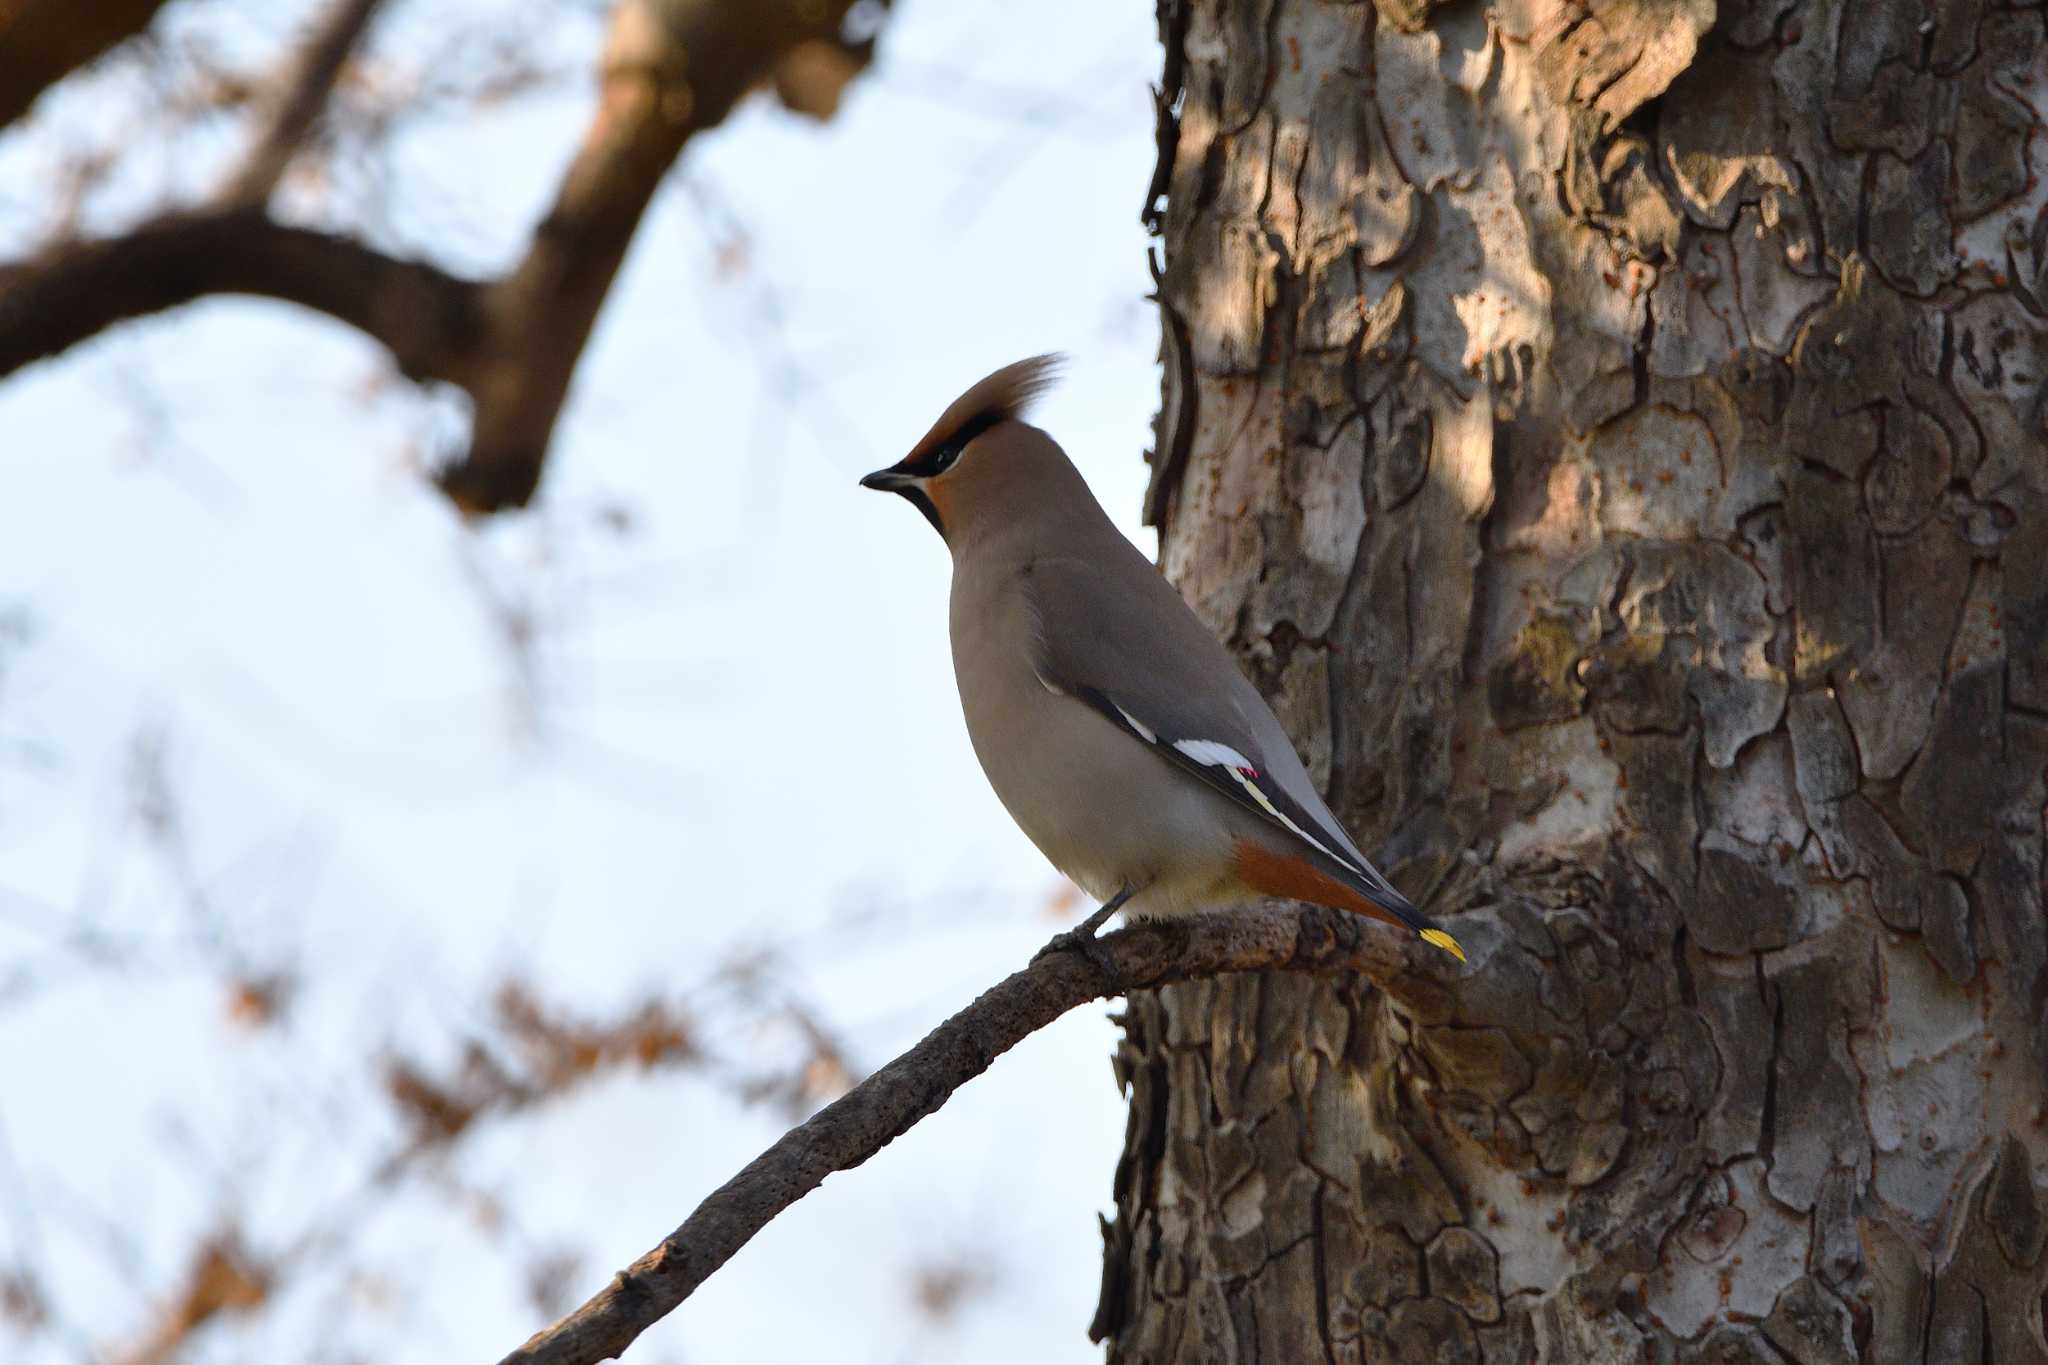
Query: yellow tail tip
x,y
1444,941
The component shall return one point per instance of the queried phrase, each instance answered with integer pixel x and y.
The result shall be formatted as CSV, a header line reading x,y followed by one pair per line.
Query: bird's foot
x,y
1082,937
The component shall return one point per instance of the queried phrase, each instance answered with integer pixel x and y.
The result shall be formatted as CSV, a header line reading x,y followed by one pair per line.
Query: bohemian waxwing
x,y
1116,730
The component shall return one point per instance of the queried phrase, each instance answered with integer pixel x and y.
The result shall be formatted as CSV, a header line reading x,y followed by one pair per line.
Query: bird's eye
x,y
943,461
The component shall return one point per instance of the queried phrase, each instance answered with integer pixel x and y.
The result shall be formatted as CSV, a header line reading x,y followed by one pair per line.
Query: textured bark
x,y
1614,435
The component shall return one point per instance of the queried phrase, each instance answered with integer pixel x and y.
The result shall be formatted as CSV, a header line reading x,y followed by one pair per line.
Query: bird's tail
x,y
1274,873
1426,928
1388,904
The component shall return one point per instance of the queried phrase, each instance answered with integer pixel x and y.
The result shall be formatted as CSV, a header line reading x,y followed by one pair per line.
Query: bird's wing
x,y
1117,637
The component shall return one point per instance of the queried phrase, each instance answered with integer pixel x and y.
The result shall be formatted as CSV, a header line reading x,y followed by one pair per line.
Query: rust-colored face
x,y
920,476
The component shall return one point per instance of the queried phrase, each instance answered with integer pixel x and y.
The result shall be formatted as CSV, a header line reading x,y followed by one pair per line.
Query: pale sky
x,y
735,726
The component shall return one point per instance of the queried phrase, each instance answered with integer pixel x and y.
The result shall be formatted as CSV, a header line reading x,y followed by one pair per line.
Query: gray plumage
x,y
1115,729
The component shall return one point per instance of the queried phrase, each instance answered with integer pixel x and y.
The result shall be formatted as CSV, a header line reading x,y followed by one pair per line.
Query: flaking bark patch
x,y
1617,429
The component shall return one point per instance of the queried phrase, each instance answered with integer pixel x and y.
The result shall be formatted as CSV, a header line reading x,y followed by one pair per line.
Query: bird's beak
x,y
889,480
910,487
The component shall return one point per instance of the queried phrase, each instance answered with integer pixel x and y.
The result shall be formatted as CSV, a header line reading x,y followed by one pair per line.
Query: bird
x,y
1116,730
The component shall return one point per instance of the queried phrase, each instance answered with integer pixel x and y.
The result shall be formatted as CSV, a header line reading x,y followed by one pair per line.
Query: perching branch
x,y
671,69
884,1106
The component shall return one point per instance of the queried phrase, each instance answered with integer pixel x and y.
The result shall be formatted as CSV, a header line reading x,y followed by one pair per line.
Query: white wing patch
x,y
1281,815
1212,753
1150,736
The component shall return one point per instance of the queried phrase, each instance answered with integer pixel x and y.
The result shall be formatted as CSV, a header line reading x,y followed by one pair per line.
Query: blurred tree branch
x,y
670,69
429,321
302,98
43,41
531,1053
894,1098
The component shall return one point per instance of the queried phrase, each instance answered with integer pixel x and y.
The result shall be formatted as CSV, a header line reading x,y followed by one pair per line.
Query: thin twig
x,y
888,1103
305,97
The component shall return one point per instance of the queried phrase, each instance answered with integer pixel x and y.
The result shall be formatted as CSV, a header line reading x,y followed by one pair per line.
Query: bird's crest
x,y
1005,395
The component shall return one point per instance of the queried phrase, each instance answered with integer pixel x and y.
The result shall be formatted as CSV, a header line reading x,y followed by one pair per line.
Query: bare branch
x,y
43,41
429,320
888,1103
304,96
671,69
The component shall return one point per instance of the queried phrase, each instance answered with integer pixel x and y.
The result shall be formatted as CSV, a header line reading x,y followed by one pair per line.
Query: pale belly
x,y
1103,809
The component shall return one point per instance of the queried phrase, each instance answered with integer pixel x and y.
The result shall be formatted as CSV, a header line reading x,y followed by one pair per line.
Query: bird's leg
x,y
1081,938
1090,927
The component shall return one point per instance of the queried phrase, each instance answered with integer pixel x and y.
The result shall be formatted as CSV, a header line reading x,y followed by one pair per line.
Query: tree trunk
x,y
1613,433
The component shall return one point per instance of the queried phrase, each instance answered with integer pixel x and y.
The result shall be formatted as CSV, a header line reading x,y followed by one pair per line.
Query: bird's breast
x,y
1099,806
